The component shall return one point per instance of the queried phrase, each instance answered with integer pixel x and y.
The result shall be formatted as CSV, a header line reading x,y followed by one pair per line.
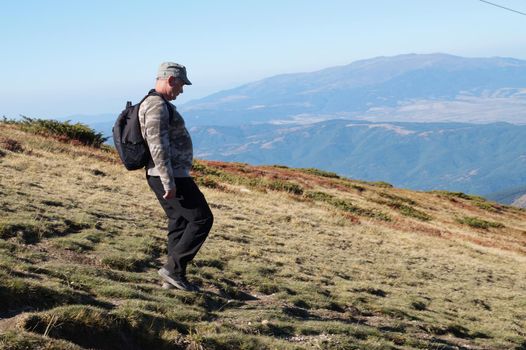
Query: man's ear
x,y
171,80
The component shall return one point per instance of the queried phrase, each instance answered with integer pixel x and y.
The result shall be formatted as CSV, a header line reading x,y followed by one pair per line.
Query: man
x,y
168,174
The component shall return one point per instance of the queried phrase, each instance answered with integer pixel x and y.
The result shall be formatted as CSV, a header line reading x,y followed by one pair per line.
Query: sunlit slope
x,y
297,259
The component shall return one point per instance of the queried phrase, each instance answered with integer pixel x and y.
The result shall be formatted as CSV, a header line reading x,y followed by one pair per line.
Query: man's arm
x,y
157,134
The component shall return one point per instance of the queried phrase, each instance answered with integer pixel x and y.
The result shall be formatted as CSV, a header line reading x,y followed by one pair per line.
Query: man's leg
x,y
190,221
176,227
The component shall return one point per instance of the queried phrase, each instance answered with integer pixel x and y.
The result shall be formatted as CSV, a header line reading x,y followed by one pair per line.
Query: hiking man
x,y
168,175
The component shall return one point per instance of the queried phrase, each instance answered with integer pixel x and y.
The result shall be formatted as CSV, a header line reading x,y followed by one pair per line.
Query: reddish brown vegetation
x,y
11,145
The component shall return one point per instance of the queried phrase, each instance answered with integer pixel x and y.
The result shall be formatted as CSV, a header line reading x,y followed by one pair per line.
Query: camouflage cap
x,y
167,69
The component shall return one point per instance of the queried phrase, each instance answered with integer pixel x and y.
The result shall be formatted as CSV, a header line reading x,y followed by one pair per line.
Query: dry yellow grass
x,y
319,262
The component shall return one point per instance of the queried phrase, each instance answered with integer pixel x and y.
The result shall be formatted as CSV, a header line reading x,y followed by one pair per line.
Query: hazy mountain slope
x,y
297,259
515,196
433,87
520,202
460,157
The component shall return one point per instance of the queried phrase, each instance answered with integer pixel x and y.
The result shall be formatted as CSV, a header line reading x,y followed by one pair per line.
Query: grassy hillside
x,y
297,259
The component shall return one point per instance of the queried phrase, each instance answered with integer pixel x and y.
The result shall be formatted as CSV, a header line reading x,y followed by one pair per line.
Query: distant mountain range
x,y
515,196
471,158
416,88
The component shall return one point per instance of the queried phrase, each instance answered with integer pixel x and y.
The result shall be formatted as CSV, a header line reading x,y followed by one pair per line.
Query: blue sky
x,y
62,58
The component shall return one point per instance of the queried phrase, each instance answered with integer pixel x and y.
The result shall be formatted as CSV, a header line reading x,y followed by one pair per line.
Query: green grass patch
x,y
76,244
396,198
212,178
91,327
215,263
31,230
21,340
403,206
319,172
230,341
349,207
478,201
284,186
202,169
125,261
19,293
449,194
345,205
209,182
381,184
409,211
121,291
319,196
479,223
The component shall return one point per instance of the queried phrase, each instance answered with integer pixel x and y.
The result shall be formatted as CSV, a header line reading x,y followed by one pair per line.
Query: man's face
x,y
176,87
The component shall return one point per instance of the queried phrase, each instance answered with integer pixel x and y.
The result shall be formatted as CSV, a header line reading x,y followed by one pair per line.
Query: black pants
x,y
189,221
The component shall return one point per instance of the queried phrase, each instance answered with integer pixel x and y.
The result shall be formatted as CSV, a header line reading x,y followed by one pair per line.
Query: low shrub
x,y
382,184
461,195
208,182
351,208
284,186
319,196
201,169
319,172
63,131
11,145
396,198
407,210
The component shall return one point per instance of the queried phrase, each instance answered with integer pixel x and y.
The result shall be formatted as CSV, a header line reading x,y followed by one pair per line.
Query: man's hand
x,y
169,194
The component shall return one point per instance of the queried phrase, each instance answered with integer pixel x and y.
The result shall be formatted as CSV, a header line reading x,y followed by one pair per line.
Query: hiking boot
x,y
179,282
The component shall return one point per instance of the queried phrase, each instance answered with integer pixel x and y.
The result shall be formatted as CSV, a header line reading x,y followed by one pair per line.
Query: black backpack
x,y
127,136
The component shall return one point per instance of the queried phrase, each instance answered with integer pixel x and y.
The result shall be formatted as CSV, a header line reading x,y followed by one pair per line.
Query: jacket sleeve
x,y
157,135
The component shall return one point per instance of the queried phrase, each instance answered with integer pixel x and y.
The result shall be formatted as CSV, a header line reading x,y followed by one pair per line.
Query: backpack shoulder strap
x,y
152,92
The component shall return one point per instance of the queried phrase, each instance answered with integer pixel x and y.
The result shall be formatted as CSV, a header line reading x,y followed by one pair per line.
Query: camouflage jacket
x,y
168,140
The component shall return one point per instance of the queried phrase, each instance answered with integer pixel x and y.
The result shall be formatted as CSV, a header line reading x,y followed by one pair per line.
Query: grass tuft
x,y
125,261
